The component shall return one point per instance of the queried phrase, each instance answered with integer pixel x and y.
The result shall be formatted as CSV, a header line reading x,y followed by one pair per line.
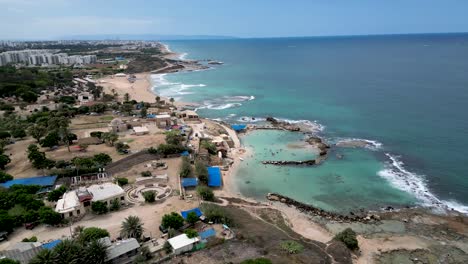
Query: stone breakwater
x,y
318,143
288,162
305,208
283,125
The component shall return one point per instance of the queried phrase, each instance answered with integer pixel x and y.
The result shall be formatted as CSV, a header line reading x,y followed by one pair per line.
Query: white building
x,y
182,243
122,251
106,192
70,205
140,130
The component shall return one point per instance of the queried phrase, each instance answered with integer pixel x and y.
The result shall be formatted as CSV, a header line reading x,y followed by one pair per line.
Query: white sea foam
x,y
171,89
250,119
183,56
370,144
222,106
415,184
239,98
314,126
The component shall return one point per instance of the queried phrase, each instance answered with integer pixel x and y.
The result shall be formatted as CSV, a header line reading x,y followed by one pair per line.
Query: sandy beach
x,y
140,90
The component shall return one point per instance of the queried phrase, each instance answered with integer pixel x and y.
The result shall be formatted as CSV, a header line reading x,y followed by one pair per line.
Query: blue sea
x,y
406,94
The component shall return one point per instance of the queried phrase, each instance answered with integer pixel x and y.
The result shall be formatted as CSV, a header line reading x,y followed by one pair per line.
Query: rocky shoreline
x,y
289,162
309,209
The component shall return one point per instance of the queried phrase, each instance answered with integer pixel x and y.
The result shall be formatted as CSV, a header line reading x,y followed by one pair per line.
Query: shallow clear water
x,y
407,92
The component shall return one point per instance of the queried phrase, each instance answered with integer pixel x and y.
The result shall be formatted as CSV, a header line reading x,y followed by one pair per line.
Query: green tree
x,y
90,234
192,218
172,100
205,193
55,195
143,112
37,131
110,138
8,261
191,233
7,223
45,256
201,171
4,160
158,99
99,207
172,220
95,252
150,196
69,251
49,216
122,181
4,177
126,97
132,227
348,237
115,205
174,137
4,134
102,159
185,168
38,158
18,133
51,140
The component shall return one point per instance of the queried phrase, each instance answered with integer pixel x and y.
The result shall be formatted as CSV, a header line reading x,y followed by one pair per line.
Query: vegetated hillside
x,y
145,63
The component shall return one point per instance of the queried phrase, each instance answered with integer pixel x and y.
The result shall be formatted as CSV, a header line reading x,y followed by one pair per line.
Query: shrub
x,y
97,134
4,177
55,195
122,181
102,159
150,196
185,168
92,233
99,207
201,171
8,261
205,193
292,247
191,233
18,133
172,220
211,147
217,214
32,239
192,218
257,261
115,205
49,216
146,173
348,237
167,149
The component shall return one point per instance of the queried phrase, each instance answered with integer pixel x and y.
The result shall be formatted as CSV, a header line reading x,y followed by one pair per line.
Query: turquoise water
x,y
407,93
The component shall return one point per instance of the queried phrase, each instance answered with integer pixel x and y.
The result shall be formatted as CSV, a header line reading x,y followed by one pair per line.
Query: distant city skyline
x,y
59,19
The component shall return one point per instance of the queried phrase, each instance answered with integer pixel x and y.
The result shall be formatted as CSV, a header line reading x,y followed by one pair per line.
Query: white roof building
x,y
69,203
121,251
105,191
182,243
140,130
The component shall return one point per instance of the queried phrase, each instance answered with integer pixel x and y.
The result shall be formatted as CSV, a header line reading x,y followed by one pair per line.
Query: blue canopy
x,y
238,128
40,180
151,116
214,177
52,244
185,153
189,182
195,210
207,233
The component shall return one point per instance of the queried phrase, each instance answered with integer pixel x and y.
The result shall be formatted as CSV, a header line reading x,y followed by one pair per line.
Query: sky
x,y
53,19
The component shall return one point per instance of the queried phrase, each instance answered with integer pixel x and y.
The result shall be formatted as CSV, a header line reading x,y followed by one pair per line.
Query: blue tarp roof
x,y
214,177
151,116
40,180
185,153
207,233
196,210
238,127
52,244
189,182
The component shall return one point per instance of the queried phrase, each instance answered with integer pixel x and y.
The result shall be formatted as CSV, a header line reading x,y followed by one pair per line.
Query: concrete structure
x,y
69,205
140,130
106,192
22,251
163,121
122,251
85,97
43,57
189,115
182,243
117,125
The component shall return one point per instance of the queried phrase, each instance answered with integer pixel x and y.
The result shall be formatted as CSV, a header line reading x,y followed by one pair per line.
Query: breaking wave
x,y
367,143
415,184
171,89
226,102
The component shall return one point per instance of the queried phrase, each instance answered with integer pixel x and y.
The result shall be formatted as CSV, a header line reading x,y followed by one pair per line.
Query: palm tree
x,y
95,252
45,256
158,99
132,227
68,251
172,100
